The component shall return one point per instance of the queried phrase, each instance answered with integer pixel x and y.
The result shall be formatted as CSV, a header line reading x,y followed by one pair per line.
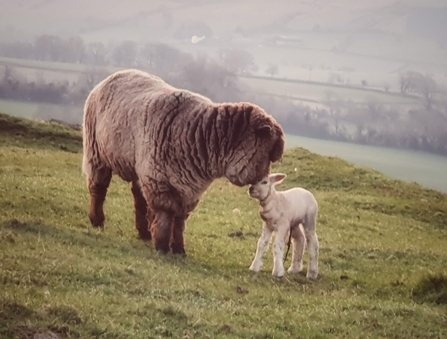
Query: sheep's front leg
x,y
299,242
278,250
161,230
177,239
263,244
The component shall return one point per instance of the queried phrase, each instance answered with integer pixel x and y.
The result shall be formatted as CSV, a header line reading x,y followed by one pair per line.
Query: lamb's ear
x,y
264,131
277,178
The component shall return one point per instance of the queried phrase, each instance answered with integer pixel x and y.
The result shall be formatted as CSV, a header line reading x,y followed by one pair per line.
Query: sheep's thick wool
x,y
170,144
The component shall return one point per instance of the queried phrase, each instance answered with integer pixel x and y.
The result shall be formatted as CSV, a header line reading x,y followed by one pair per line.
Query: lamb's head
x,y
258,141
262,188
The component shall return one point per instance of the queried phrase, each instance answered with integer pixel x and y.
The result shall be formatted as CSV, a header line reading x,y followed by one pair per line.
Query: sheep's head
x,y
258,141
262,188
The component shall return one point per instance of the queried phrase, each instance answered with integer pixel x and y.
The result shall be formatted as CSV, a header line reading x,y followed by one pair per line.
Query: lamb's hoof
x,y
278,273
312,275
294,270
255,267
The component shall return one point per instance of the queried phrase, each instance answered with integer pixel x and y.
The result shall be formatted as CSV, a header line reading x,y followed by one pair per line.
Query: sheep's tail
x,y
89,136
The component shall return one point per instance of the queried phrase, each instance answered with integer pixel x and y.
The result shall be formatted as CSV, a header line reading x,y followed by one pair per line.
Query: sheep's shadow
x,y
97,240
74,236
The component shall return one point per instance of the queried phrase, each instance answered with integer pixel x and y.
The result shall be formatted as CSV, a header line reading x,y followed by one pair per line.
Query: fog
x,y
367,72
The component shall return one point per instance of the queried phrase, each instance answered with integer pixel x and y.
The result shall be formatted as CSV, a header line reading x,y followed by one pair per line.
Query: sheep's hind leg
x,y
98,183
143,216
299,242
263,244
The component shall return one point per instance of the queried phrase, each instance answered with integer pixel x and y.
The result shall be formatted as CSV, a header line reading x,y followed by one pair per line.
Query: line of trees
x,y
423,127
158,56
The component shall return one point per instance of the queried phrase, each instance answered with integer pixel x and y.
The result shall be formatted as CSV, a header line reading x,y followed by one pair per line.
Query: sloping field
x,y
382,255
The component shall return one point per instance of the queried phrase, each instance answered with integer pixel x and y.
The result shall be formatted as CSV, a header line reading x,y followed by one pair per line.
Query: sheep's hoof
x,y
179,250
97,222
163,249
145,234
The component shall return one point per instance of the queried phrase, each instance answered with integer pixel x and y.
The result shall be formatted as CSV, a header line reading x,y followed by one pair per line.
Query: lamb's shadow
x,y
99,241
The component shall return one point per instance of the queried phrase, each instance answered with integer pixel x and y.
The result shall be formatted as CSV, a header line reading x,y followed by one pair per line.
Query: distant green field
x,y
424,168
19,108
40,110
321,93
48,66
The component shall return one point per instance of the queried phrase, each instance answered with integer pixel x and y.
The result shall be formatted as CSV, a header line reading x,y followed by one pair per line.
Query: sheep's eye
x,y
264,182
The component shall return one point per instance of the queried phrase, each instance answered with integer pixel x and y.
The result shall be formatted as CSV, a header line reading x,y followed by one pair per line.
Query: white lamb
x,y
294,210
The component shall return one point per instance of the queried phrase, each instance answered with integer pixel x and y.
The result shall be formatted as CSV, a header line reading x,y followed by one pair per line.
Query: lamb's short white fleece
x,y
296,210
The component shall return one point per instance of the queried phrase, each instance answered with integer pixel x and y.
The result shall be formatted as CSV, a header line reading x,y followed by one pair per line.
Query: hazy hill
x,y
164,17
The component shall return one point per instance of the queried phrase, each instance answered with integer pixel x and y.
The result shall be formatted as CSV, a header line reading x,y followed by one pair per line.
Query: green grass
x,y
382,256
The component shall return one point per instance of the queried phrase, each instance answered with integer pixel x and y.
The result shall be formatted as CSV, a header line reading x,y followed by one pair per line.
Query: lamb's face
x,y
261,189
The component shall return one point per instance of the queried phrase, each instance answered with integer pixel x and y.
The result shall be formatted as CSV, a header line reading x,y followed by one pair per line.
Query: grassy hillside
x,y
382,258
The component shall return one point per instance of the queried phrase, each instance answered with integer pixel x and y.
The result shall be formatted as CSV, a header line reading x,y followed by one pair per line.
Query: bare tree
x,y
272,69
163,59
97,53
204,76
418,83
75,50
125,54
237,61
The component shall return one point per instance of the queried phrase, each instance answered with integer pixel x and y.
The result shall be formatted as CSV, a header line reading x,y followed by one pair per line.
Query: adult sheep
x,y
170,144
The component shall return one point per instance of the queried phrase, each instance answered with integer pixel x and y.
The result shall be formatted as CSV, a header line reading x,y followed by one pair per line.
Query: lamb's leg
x,y
263,244
312,246
98,183
177,240
299,242
143,215
278,250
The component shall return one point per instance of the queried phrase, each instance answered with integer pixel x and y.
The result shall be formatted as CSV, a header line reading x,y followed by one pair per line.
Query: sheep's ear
x,y
264,131
277,150
277,178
